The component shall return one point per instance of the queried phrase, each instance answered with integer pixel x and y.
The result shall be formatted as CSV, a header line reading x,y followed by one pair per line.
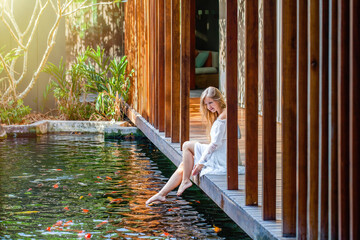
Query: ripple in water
x,y
66,186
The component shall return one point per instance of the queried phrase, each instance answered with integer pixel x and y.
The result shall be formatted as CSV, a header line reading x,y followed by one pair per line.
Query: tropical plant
x,y
69,87
108,78
13,112
92,72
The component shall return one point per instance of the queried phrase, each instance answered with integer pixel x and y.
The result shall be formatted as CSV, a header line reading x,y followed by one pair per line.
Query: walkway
x,y
249,218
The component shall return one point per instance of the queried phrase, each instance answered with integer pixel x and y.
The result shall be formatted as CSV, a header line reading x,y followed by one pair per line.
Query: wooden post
x,y
160,62
301,120
168,67
187,64
156,67
231,94
343,118
333,142
269,111
354,120
152,61
288,71
148,61
324,126
175,83
251,100
313,118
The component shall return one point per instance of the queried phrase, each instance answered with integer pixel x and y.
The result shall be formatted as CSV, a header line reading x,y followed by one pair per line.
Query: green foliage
x,y
13,111
92,72
108,77
68,88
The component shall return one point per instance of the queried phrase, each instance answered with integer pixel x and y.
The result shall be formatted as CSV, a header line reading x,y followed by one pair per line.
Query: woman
x,y
197,157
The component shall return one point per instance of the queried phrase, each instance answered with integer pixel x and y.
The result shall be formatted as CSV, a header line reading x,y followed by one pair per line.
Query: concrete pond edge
x,y
110,129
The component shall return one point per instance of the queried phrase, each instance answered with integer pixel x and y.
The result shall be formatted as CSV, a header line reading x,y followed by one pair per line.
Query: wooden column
x,y
288,72
161,71
343,117
251,100
175,83
324,119
168,66
333,142
231,94
148,61
156,67
152,61
313,118
187,64
269,111
142,60
301,120
354,119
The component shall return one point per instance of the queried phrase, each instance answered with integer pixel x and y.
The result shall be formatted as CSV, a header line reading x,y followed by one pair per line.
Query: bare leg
x,y
173,182
176,178
188,160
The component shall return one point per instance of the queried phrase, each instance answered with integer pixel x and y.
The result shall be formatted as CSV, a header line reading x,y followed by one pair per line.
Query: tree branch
x,y
51,43
36,24
88,6
11,79
12,32
32,18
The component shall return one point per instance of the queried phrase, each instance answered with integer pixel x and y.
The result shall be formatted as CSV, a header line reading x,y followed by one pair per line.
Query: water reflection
x,y
67,186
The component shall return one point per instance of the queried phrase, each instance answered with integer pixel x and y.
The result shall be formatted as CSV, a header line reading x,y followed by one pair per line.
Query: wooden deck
x,y
249,218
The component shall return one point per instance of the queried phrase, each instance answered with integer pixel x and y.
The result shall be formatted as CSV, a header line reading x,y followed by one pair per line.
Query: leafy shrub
x,y
110,80
13,111
91,73
68,88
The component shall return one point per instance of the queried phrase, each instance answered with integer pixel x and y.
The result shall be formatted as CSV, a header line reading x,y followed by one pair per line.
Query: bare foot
x,y
183,186
155,198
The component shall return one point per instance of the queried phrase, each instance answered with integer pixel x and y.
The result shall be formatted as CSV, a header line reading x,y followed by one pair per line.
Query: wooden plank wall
x,y
319,61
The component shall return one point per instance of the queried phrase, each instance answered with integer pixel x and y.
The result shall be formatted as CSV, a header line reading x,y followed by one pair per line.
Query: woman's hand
x,y
197,169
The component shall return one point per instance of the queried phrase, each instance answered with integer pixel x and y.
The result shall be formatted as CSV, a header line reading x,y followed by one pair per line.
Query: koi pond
x,y
82,186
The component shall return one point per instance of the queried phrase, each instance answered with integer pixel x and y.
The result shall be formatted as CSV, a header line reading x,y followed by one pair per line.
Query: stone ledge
x,y
116,130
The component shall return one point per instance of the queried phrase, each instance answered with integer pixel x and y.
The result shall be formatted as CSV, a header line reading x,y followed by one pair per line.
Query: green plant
x,y
91,72
69,87
13,111
110,80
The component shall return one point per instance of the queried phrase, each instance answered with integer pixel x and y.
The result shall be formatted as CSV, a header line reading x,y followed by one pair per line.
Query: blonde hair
x,y
210,117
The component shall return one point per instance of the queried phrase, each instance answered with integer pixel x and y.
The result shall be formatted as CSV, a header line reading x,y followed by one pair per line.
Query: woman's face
x,y
212,105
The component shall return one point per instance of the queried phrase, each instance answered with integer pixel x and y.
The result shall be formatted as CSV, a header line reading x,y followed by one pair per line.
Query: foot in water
x,y
183,186
156,198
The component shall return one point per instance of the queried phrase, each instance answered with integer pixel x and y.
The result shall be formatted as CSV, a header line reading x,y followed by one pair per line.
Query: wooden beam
x,y
269,111
231,94
333,132
175,83
288,71
187,64
168,67
343,118
251,101
301,121
161,70
324,119
313,118
354,119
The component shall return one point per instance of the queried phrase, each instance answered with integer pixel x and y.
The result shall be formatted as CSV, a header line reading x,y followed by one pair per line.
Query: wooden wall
x,y
320,85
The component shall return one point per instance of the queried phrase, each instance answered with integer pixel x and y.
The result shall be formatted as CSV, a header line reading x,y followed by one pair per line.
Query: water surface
x,y
76,186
